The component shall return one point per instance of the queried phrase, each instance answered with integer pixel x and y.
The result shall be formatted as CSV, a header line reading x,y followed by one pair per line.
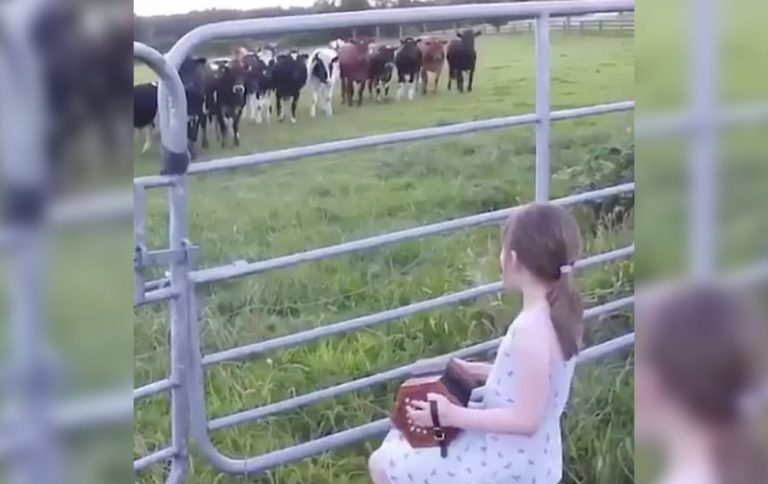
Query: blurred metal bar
x,y
289,341
319,149
542,108
152,389
152,459
703,141
383,377
230,271
24,165
680,123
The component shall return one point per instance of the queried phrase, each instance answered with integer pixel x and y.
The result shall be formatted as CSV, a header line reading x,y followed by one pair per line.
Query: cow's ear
x,y
201,61
478,33
458,34
418,41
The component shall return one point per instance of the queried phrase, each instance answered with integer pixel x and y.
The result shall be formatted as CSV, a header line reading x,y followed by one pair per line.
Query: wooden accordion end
x,y
454,383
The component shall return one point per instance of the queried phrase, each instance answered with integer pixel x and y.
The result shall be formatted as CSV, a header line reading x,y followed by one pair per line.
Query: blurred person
x,y
515,435
700,369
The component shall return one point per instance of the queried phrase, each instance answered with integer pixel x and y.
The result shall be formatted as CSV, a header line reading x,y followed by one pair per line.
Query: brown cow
x,y
354,66
432,60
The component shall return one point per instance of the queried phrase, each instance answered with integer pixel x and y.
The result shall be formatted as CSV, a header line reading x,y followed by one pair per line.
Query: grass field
x,y
260,213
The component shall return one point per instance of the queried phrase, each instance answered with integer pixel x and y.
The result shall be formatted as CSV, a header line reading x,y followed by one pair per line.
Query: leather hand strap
x,y
437,431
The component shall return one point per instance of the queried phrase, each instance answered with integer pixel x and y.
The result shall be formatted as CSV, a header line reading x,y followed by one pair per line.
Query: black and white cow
x,y
145,111
323,68
259,83
408,62
194,76
289,77
381,69
229,96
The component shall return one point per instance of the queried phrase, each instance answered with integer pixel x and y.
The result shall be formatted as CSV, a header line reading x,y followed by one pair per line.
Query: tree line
x,y
161,32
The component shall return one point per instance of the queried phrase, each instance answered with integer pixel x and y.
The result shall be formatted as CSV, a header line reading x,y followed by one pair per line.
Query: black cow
x,y
408,62
229,95
380,70
145,110
197,77
462,57
289,76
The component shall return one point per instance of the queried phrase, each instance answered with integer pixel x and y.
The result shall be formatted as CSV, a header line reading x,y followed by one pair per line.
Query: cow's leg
x,y
450,77
471,78
294,104
313,106
460,80
424,81
400,85
236,127
148,132
412,86
268,107
222,124
279,106
328,96
360,94
204,129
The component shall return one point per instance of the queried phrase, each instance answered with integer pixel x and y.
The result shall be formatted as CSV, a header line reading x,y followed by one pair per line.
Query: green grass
x,y
259,213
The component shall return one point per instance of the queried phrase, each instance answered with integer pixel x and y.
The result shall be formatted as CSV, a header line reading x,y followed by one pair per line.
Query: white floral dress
x,y
480,458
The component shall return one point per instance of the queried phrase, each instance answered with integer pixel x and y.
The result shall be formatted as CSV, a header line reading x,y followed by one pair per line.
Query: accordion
x,y
455,383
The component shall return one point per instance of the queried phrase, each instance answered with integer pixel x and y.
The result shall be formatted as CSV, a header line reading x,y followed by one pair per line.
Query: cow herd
x,y
221,92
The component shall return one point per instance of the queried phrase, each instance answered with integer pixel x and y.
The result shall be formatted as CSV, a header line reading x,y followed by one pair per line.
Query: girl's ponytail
x,y
566,312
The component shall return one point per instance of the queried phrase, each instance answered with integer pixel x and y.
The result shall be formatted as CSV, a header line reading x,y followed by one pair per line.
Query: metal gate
x,y
185,382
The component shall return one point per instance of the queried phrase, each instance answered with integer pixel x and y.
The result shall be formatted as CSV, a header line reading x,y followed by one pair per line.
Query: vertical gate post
x,y
180,324
542,108
703,143
172,111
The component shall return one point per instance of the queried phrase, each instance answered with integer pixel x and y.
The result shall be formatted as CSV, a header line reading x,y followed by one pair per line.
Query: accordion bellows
x,y
454,383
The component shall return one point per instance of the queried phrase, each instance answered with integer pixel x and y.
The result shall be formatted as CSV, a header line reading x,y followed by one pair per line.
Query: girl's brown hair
x,y
546,240
705,343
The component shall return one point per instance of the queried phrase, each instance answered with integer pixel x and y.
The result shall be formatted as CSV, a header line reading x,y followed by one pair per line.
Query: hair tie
x,y
566,269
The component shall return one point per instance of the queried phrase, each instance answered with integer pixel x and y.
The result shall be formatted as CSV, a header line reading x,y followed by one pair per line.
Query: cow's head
x,y
232,78
409,44
193,73
468,36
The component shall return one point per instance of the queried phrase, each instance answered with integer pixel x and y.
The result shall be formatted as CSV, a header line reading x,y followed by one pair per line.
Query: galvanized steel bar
x,y
542,108
231,271
172,105
152,389
383,377
289,341
331,147
305,23
180,317
143,463
156,296
703,141
139,241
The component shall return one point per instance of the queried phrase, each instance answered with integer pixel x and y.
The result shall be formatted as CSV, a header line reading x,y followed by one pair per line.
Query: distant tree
x,y
354,5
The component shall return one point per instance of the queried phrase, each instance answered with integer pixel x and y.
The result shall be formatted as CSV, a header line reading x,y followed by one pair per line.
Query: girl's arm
x,y
477,369
531,385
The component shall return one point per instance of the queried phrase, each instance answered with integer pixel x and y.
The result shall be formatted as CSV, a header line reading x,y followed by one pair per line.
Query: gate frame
x,y
183,282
